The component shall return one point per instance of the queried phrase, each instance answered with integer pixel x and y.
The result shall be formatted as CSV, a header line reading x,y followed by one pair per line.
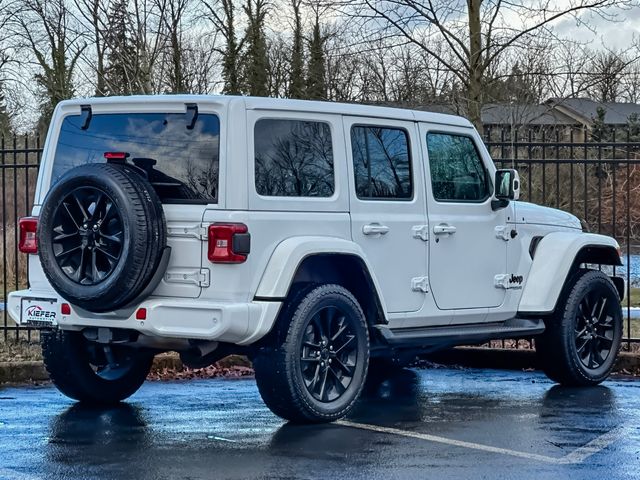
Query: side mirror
x,y
507,185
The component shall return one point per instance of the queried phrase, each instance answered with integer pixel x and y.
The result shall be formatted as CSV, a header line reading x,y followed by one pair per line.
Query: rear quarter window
x,y
293,158
182,164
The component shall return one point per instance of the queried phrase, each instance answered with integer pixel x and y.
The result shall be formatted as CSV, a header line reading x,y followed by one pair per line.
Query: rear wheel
x,y
92,372
582,339
317,371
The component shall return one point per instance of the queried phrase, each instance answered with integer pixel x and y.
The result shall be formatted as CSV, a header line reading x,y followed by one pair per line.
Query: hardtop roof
x,y
263,103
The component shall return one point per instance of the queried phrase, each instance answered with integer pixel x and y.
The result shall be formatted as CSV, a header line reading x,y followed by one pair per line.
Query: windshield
x,y
181,163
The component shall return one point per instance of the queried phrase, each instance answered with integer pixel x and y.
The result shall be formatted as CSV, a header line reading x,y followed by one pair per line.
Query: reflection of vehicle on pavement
x,y
314,237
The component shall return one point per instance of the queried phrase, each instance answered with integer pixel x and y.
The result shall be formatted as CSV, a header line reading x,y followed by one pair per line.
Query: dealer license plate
x,y
39,312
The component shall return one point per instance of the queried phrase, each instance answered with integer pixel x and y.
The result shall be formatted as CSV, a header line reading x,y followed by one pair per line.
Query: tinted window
x,y
457,171
294,158
381,162
181,163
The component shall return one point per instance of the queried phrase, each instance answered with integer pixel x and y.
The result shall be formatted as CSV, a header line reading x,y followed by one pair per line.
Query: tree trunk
x,y
476,69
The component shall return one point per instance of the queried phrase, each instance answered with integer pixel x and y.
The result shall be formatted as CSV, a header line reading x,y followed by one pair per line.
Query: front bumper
x,y
238,323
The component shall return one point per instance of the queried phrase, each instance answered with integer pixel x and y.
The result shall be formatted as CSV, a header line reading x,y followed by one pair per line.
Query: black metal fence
x,y
19,163
592,174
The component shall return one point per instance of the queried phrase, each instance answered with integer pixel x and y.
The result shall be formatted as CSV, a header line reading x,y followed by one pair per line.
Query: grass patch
x,y
635,328
634,296
20,349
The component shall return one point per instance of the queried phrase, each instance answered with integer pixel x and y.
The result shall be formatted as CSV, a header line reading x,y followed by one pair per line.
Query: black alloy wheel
x,y
102,237
87,235
314,366
594,329
110,362
92,372
583,336
328,354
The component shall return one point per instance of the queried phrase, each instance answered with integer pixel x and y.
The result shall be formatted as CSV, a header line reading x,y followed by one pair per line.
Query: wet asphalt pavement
x,y
437,424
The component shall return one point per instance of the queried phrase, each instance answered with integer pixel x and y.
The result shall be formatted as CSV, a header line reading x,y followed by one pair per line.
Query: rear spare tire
x,y
101,235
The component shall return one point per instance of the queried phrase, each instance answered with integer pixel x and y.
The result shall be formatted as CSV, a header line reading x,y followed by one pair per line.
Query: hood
x,y
530,213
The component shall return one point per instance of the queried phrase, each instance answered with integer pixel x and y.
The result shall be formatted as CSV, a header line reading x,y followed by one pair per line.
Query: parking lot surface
x,y
435,423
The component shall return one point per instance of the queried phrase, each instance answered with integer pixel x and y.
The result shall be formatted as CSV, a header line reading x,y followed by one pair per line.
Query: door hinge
x,y
199,277
420,284
503,233
194,231
421,231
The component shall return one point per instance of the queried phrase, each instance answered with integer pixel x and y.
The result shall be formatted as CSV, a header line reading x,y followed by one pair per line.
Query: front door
x,y
388,207
466,250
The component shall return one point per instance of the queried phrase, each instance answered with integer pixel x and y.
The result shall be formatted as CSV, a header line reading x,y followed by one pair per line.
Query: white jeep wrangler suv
x,y
316,238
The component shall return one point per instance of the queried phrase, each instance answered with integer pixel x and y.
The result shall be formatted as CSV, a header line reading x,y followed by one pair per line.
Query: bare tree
x,y
174,30
149,43
316,87
47,30
477,33
222,15
94,16
607,70
200,63
6,15
296,81
280,65
631,83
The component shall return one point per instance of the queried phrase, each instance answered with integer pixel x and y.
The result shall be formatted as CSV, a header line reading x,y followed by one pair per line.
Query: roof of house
x,y
520,114
586,109
555,111
512,114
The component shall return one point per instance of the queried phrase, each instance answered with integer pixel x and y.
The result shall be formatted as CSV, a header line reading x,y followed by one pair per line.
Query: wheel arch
x,y
558,256
301,261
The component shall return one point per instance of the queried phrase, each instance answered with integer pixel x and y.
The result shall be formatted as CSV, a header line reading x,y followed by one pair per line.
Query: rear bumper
x,y
238,323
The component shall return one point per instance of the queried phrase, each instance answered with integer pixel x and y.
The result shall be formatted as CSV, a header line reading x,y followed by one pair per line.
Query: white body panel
x,y
397,254
464,263
240,302
554,256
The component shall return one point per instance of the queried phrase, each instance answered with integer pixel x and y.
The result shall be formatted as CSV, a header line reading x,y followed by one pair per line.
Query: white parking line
x,y
594,446
577,456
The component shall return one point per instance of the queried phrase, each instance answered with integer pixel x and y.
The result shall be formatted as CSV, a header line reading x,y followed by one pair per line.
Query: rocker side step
x,y
461,334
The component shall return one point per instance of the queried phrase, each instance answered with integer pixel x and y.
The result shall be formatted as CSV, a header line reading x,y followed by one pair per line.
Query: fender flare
x,y
554,257
290,253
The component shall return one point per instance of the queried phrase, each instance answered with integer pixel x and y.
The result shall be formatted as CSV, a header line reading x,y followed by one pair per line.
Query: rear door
x,y
388,210
197,189
176,145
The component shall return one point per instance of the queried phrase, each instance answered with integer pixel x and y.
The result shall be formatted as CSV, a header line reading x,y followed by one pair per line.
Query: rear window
x,y
181,163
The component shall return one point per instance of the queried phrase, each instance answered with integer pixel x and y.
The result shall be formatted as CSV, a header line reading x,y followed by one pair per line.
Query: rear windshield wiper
x,y
86,114
191,115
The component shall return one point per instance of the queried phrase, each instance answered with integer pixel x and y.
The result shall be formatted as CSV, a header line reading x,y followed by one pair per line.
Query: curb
x,y
22,372
515,359
34,371
473,357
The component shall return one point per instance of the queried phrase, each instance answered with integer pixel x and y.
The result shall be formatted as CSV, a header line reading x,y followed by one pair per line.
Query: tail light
x,y
28,240
228,242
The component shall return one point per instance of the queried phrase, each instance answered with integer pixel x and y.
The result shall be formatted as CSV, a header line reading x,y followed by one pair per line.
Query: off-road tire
x,y
143,236
66,359
557,348
278,368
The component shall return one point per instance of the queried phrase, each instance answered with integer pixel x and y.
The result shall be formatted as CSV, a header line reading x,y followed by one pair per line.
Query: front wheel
x,y
316,372
92,372
583,338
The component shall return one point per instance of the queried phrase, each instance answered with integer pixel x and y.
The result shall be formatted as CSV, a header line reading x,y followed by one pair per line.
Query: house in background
x,y
567,119
584,111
